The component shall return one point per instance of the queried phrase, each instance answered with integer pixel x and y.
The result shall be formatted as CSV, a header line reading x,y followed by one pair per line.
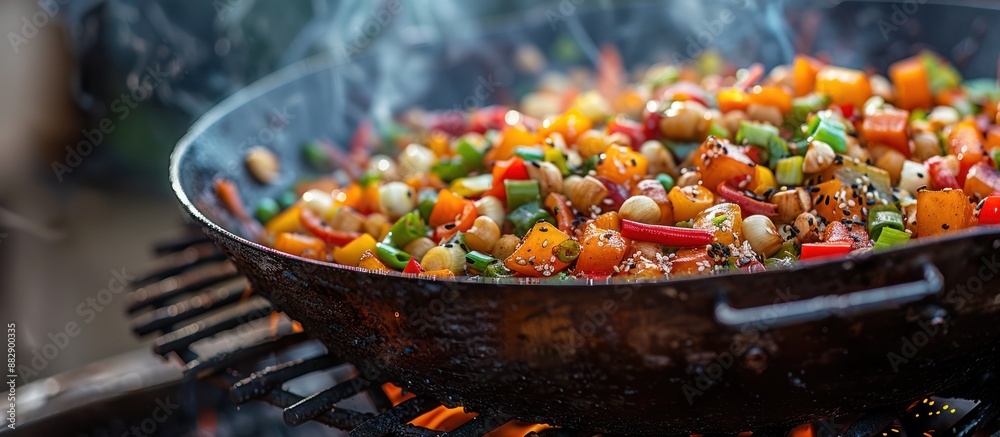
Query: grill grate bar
x,y
340,418
253,309
263,382
158,293
223,361
396,421
165,318
980,416
179,262
318,403
477,426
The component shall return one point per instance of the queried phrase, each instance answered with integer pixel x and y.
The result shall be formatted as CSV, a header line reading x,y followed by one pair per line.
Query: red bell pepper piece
x,y
651,123
512,169
989,210
314,225
490,117
463,223
633,129
671,236
811,251
748,206
941,177
413,267
966,143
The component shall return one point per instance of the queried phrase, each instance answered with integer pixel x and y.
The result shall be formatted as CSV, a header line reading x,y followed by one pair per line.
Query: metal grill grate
x,y
193,278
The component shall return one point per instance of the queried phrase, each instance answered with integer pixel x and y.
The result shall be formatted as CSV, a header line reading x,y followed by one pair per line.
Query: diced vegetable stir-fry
x,y
679,173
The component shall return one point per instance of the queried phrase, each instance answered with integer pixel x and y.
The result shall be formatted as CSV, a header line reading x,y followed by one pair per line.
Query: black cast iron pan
x,y
714,354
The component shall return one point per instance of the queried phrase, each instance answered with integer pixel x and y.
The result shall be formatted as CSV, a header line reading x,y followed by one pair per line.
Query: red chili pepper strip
x,y
313,224
413,267
812,251
671,236
556,203
989,213
748,205
754,74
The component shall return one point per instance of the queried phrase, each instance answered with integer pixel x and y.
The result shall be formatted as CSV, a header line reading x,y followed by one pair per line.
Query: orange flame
x,y
296,326
273,323
446,419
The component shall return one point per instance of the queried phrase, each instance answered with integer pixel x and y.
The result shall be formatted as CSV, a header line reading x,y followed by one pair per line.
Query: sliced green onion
x,y
756,134
828,131
459,240
777,150
426,201
717,130
684,224
524,217
666,180
520,192
478,261
882,217
472,154
530,153
497,270
803,106
891,237
391,256
369,178
590,164
450,169
558,159
788,171
995,154
718,221
940,73
567,251
409,227
266,209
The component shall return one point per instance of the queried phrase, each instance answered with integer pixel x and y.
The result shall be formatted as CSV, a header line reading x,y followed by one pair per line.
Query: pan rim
x,y
297,70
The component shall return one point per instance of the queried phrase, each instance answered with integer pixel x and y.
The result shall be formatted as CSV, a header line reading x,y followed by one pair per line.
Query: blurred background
x,y
95,93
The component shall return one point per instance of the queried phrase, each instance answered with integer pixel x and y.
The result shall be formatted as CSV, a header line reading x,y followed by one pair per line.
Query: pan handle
x,y
821,307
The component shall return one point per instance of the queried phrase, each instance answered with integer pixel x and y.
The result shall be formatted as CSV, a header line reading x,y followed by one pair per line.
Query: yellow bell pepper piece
x,y
763,179
287,221
350,254
689,201
371,262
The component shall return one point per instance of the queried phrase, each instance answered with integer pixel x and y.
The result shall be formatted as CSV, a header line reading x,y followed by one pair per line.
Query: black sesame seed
x,y
945,226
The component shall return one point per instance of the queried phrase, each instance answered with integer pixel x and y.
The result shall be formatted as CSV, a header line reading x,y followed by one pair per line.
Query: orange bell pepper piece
x,y
570,125
371,262
466,219
771,96
732,99
510,138
913,88
844,86
536,255
449,207
600,251
889,128
622,165
804,72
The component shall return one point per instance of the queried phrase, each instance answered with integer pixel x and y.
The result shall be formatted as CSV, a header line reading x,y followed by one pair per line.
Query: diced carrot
x,y
888,127
833,198
941,212
719,161
966,143
844,86
913,89
300,245
229,195
691,261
